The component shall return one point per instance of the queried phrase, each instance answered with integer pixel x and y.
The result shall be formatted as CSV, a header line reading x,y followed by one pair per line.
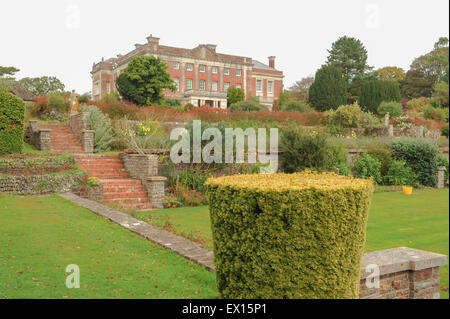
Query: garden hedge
x,y
281,235
12,114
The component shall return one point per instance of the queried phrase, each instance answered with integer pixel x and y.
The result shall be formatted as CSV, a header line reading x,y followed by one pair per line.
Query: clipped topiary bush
x,y
296,235
12,114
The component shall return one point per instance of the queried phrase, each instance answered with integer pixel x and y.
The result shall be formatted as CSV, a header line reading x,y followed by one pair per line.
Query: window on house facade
x,y
177,83
188,84
214,69
238,86
226,85
238,72
258,85
226,71
108,88
270,87
202,85
214,86
189,66
176,65
202,68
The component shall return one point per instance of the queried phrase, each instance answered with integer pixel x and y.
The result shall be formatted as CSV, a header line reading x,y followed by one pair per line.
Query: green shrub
x,y
57,104
302,149
395,109
418,103
193,179
288,235
235,95
346,116
383,155
368,167
420,155
433,113
101,124
398,174
247,106
12,114
296,106
444,131
84,98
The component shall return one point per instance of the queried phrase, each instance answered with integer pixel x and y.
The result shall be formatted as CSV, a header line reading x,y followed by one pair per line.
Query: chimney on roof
x,y
272,62
152,39
212,47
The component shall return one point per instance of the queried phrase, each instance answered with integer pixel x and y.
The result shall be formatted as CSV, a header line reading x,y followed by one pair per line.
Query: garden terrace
x,y
38,173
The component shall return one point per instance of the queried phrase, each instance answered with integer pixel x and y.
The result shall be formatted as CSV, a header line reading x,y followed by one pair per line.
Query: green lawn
x,y
41,235
417,221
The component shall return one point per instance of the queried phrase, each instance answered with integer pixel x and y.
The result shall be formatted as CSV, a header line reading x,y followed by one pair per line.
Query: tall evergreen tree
x,y
375,91
329,89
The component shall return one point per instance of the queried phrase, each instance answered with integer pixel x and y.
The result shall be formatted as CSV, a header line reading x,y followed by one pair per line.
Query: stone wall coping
x,y
88,131
156,178
32,121
45,129
140,155
401,259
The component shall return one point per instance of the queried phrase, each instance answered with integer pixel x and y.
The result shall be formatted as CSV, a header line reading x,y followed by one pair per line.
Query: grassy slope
x,y
40,236
417,221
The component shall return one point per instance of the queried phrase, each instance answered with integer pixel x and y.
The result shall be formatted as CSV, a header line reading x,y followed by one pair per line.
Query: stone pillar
x,y
45,143
386,119
87,139
140,166
440,177
155,189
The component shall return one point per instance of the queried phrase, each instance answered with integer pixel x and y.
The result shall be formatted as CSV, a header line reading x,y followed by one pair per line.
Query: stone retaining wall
x,y
39,184
37,161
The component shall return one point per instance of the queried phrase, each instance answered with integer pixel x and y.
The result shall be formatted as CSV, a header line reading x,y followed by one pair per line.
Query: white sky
x,y
63,38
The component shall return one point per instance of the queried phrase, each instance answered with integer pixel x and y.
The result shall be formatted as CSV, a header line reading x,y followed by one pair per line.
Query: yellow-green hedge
x,y
296,235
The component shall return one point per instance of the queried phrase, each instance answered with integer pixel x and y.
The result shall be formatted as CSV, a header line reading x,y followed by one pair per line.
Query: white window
x,y
108,88
214,86
238,72
202,68
202,84
270,87
226,71
226,85
238,86
188,84
189,66
214,69
177,83
258,85
176,65
97,88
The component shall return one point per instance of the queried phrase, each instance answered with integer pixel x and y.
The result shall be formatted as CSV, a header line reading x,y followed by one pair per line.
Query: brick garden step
x,y
63,140
118,189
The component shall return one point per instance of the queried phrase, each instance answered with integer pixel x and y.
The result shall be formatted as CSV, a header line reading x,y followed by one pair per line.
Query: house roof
x,y
18,90
260,65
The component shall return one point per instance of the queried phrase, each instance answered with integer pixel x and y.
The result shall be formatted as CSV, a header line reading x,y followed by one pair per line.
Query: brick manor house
x,y
201,74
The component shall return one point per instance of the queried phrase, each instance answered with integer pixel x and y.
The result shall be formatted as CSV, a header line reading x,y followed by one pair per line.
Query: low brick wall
x,y
401,273
155,187
39,184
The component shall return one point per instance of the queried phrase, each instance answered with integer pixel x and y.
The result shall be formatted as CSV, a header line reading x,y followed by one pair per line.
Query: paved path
x,y
177,244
